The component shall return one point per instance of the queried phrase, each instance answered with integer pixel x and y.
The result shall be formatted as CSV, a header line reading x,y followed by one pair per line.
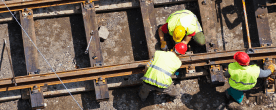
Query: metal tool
x,y
87,48
249,50
10,60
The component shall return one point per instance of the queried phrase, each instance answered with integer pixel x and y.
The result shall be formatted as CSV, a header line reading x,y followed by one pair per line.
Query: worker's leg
x,y
144,91
199,38
172,90
235,94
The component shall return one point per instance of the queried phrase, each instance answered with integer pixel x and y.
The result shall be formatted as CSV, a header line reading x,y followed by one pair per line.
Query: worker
x,y
159,72
243,77
182,25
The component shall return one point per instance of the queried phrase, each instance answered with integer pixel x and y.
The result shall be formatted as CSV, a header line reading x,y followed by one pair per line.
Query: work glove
x,y
269,65
164,45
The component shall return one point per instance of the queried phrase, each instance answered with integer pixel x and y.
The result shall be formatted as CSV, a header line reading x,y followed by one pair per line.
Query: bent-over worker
x,y
180,24
243,77
159,72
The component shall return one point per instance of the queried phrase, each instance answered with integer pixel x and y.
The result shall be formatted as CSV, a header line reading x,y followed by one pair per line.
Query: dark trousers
x,y
146,88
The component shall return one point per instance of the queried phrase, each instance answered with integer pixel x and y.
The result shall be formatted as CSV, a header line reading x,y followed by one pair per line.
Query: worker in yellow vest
x,y
159,72
182,25
243,77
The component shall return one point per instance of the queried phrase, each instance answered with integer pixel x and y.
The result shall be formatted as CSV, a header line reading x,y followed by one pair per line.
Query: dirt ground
x,y
62,41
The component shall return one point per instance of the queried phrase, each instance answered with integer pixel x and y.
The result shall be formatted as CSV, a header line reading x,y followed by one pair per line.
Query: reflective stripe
x,y
149,63
154,81
160,69
198,25
242,82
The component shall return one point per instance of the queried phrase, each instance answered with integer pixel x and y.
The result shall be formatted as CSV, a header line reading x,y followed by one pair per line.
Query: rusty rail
x,y
33,4
126,69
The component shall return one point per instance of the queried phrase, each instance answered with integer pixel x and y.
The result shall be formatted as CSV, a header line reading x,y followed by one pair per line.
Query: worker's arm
x,y
226,74
148,65
188,38
161,31
268,70
264,73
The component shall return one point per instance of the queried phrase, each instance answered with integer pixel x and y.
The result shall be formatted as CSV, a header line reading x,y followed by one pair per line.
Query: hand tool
x,y
249,50
87,48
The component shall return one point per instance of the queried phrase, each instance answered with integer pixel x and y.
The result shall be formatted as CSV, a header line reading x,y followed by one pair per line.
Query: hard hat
x,y
242,58
179,33
180,48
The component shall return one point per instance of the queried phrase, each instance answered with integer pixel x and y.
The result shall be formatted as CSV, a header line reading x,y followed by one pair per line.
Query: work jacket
x,y
186,19
243,77
161,68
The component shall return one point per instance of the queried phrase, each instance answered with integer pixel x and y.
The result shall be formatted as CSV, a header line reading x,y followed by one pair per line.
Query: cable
x,y
41,54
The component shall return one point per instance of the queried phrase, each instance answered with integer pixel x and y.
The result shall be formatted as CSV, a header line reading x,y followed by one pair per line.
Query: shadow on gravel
x,y
23,105
128,99
79,41
207,98
88,100
137,34
17,49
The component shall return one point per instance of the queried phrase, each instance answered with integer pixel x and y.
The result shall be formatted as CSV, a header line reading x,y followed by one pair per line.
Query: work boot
x,y
143,100
227,95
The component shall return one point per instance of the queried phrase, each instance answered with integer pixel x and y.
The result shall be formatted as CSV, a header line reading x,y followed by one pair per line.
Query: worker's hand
x,y
164,45
271,67
184,42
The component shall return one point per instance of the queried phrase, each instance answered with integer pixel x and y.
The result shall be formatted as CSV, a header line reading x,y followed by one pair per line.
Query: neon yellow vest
x,y
185,18
243,77
161,68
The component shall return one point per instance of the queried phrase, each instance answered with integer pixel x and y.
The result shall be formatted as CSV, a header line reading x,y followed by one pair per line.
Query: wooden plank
x,y
91,30
31,54
149,21
209,24
261,15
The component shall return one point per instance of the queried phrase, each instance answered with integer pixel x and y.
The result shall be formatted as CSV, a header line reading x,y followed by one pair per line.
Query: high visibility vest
x,y
185,18
161,68
243,77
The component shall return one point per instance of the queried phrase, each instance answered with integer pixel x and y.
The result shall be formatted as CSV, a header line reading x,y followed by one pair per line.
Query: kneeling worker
x,y
159,72
182,25
243,76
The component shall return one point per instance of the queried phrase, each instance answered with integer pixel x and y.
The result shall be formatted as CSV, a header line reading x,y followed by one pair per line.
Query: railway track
x,y
213,59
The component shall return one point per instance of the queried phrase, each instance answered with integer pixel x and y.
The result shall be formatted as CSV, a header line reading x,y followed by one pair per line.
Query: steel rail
x,y
33,4
100,7
126,69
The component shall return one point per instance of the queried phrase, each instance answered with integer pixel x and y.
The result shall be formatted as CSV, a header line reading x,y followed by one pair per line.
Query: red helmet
x,y
180,48
242,58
